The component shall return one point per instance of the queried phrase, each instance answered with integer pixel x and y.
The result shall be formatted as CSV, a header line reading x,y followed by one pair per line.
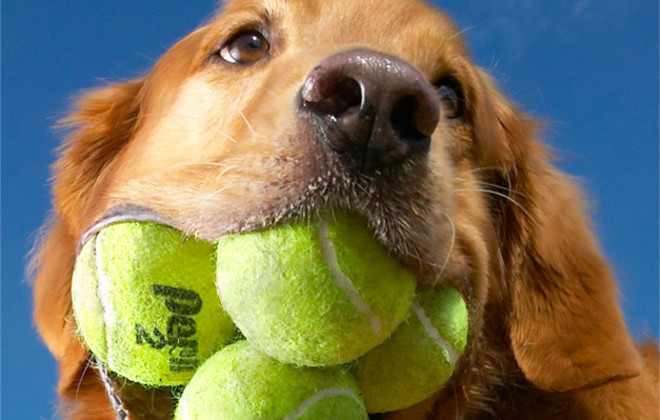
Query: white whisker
x,y
184,164
496,186
247,123
499,194
193,165
216,130
205,199
82,376
224,171
451,246
465,30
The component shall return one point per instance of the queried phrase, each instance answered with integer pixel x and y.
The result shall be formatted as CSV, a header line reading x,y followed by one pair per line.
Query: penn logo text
x,y
183,304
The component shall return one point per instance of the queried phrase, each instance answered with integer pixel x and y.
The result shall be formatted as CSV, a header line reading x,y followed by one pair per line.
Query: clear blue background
x,y
589,68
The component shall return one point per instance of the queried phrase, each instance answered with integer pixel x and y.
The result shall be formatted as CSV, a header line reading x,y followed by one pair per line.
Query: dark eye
x,y
246,47
451,96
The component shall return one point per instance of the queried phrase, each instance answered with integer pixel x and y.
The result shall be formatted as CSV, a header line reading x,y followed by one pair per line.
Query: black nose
x,y
377,109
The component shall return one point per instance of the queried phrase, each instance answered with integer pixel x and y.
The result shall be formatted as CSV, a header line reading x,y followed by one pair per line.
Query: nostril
x,y
374,110
335,99
404,120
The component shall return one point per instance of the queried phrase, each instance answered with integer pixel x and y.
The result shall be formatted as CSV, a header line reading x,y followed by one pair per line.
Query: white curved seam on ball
x,y
183,409
319,396
438,339
104,284
344,282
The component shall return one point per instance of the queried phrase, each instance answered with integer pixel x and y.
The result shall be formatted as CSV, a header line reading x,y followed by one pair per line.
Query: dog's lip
x,y
128,212
119,214
137,213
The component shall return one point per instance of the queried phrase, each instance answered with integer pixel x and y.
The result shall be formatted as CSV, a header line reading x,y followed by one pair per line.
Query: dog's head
x,y
279,109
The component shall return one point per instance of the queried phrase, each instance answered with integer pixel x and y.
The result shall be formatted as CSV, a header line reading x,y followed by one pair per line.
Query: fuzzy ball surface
x,y
242,383
314,294
420,356
145,302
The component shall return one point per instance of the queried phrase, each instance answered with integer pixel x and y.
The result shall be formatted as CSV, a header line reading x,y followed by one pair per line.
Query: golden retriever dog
x,y
281,109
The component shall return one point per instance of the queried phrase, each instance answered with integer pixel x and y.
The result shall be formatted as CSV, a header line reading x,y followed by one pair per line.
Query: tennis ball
x,y
240,382
145,302
313,294
419,357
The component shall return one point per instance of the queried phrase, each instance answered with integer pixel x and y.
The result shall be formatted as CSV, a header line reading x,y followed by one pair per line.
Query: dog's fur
x,y
217,148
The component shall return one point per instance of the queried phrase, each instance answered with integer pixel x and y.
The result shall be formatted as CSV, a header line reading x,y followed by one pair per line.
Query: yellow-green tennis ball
x,y
313,294
419,357
145,302
242,383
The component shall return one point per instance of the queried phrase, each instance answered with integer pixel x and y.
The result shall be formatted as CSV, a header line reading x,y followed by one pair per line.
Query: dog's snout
x,y
375,108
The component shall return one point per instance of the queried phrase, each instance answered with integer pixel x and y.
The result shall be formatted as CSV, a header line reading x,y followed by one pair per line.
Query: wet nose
x,y
376,109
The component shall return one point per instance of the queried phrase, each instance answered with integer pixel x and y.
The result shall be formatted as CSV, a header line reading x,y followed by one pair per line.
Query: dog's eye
x,y
451,96
246,47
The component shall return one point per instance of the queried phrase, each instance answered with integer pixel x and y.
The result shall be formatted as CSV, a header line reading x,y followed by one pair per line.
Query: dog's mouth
x,y
396,210
406,206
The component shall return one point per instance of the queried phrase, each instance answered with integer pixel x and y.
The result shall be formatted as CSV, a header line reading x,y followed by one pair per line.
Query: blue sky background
x,y
588,68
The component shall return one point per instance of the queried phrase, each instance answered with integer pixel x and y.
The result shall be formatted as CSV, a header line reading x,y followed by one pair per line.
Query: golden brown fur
x,y
217,149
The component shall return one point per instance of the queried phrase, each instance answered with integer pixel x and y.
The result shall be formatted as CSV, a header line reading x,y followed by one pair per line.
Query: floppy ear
x,y
567,330
565,325
102,124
